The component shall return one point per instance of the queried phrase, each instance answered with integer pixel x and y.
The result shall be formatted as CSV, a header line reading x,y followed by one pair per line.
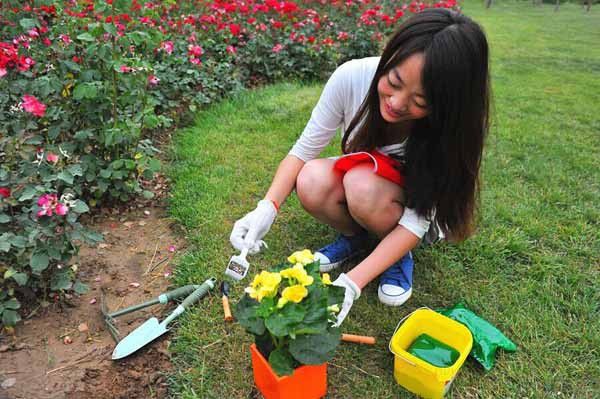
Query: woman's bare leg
x,y
321,193
373,202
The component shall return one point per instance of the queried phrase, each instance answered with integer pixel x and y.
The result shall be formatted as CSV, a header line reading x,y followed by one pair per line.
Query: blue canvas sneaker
x,y
395,285
341,250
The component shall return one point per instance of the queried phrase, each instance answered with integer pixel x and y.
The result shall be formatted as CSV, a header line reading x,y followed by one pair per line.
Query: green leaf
x,y
54,253
61,281
80,207
281,323
4,244
154,165
83,135
148,174
281,361
73,66
72,218
151,121
316,319
76,170
28,193
9,273
4,218
80,287
147,194
10,317
110,28
86,37
85,90
28,23
117,164
39,261
105,173
266,308
315,348
245,313
35,140
66,176
12,304
20,278
18,241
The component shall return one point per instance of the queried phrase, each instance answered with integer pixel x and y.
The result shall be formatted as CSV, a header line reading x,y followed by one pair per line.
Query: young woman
x,y
414,122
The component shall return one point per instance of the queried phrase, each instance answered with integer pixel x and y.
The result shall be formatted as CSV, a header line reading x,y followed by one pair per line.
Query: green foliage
x,y
295,333
107,77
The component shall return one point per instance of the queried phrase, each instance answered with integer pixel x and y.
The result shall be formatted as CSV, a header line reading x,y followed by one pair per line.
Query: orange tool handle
x,y
358,339
226,310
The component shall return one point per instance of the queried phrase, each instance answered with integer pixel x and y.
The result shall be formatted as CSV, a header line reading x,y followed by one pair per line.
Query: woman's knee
x,y
370,196
315,183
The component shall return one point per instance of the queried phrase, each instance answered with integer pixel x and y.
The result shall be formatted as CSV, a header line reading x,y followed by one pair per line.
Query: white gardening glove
x,y
248,231
352,293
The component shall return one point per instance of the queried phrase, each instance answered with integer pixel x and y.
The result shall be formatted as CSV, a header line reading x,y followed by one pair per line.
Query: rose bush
x,y
85,85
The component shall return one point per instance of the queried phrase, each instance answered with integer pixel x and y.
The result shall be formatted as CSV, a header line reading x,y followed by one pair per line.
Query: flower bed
x,y
84,85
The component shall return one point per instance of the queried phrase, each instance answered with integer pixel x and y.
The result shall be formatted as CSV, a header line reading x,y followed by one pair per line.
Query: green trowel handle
x,y
179,292
199,293
162,298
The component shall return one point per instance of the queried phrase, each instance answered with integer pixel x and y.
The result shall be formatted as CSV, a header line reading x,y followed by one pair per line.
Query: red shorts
x,y
383,165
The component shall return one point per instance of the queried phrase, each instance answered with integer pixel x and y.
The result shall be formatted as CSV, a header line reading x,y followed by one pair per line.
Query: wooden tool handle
x,y
358,339
226,310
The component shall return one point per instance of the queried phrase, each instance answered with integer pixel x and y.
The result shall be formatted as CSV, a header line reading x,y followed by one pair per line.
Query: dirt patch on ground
x,y
64,351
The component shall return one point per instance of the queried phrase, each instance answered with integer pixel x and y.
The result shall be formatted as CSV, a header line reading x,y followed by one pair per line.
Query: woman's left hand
x,y
352,293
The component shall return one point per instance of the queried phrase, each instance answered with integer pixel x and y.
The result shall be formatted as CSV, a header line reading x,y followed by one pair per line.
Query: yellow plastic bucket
x,y
416,375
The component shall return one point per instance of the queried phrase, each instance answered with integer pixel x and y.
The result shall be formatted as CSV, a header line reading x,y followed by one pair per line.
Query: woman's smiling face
x,y
401,96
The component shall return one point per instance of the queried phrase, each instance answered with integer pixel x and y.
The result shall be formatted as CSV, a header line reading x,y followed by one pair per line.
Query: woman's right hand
x,y
249,230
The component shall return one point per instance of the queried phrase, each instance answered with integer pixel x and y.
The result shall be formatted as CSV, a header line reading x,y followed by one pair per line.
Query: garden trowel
x,y
152,329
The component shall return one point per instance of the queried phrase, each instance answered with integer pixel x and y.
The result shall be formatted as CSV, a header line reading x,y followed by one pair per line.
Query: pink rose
x,y
195,50
49,205
153,80
167,46
33,105
51,157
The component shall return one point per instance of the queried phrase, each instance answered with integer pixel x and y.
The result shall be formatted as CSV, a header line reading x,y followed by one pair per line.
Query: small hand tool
x,y
238,266
152,329
358,339
226,309
109,317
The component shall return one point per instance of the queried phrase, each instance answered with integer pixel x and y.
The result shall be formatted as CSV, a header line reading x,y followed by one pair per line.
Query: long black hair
x,y
444,149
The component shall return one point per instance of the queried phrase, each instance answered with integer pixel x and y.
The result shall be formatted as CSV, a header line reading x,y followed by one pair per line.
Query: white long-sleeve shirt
x,y
340,100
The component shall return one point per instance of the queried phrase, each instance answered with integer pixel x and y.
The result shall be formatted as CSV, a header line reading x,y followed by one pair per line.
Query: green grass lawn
x,y
532,269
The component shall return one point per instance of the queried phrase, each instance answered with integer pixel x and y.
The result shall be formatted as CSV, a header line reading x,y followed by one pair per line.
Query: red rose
x,y
234,29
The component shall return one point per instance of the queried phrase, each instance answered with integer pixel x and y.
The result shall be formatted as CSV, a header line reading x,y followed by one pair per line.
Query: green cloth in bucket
x,y
433,351
486,337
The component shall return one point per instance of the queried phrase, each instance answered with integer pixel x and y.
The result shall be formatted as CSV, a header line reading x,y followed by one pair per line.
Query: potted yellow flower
x,y
290,311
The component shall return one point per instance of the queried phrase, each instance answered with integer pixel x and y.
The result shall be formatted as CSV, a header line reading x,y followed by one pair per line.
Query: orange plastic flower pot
x,y
307,382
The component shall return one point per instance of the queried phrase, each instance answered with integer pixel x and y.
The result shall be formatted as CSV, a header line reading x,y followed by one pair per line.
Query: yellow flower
x,y
264,284
298,273
295,294
305,257
326,279
333,308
